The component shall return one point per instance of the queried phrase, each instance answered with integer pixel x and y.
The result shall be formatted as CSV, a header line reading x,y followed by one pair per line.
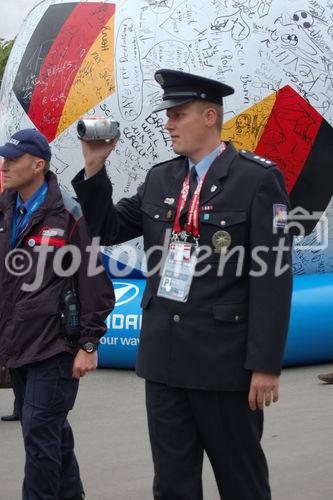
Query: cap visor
x,y
10,151
171,103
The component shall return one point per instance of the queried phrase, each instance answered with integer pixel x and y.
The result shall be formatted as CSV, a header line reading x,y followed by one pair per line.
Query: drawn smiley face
x,y
303,19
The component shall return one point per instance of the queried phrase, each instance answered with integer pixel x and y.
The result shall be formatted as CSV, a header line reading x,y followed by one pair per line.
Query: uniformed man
x,y
214,329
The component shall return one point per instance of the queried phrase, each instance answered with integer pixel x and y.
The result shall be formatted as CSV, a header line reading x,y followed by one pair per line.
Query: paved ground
x,y
112,446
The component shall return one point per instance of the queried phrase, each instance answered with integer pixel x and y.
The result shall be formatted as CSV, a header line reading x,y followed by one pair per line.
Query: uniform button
x,y
237,318
176,318
223,223
268,162
256,157
156,216
262,159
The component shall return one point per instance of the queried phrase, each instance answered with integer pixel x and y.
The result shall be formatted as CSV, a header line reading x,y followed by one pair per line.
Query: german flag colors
x,y
286,129
68,68
68,65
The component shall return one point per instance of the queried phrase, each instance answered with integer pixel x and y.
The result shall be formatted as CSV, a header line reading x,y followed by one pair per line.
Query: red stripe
x,y
289,134
46,240
63,62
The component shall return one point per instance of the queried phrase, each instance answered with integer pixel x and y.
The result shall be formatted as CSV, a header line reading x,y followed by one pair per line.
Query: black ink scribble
x,y
161,6
167,54
129,71
233,24
264,8
187,20
59,165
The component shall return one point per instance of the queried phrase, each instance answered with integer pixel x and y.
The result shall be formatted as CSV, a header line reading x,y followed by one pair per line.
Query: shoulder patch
x,y
71,204
249,155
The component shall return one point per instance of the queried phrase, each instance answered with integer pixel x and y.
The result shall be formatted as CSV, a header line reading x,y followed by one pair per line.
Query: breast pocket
x,y
225,232
156,219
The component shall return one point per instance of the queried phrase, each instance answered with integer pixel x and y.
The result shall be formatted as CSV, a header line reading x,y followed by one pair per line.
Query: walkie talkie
x,y
70,315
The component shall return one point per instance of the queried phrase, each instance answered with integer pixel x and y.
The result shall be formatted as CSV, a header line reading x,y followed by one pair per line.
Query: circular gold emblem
x,y
221,241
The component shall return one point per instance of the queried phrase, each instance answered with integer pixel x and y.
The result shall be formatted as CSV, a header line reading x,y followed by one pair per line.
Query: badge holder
x,y
178,271
179,267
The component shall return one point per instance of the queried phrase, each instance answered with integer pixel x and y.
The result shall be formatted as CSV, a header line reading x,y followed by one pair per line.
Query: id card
x,y
178,271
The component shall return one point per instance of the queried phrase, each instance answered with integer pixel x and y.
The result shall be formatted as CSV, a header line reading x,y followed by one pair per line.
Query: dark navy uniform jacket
x,y
232,324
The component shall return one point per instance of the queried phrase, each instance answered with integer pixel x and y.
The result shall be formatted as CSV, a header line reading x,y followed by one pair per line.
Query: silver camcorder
x,y
97,130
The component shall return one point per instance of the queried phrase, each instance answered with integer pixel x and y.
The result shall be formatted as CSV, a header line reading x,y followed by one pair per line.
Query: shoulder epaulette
x,y
168,161
249,155
71,204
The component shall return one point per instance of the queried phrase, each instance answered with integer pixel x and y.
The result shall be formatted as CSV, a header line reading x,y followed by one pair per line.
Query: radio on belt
x,y
97,130
70,315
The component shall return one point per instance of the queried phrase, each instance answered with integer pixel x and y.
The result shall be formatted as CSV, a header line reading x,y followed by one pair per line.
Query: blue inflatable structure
x,y
310,338
120,345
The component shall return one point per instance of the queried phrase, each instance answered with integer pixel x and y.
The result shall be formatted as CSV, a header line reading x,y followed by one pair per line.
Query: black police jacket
x,y
234,323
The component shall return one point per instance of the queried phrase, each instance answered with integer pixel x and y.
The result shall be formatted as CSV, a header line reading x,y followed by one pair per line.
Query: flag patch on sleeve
x,y
280,215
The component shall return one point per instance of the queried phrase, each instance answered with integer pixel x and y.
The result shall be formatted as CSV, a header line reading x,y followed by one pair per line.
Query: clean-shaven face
x,y
187,127
18,173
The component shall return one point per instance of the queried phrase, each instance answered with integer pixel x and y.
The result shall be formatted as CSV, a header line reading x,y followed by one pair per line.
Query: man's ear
x,y
39,166
211,117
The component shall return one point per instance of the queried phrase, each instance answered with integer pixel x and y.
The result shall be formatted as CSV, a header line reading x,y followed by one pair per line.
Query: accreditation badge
x,y
178,271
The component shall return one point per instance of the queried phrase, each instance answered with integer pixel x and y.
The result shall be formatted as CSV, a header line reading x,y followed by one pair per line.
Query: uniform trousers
x,y
45,392
183,423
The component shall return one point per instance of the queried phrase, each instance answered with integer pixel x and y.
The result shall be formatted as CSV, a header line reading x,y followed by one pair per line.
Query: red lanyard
x,y
192,221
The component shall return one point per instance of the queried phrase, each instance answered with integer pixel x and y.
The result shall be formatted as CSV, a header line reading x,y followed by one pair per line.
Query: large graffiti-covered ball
x,y
94,58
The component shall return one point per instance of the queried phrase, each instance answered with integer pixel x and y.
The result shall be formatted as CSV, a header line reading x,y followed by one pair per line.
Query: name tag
x,y
178,271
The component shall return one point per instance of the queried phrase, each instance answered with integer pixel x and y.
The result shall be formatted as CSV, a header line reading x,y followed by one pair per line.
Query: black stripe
x,y
37,49
314,187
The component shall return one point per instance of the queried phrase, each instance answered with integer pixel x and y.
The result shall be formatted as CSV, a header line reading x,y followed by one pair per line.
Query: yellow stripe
x,y
95,79
246,129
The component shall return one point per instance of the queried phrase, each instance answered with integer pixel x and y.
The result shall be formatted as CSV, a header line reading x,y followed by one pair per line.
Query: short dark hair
x,y
46,167
219,111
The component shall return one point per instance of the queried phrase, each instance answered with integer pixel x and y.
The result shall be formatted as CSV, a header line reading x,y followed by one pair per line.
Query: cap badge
x,y
159,78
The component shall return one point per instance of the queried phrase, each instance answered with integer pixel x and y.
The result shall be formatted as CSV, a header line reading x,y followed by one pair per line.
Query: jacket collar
x,y
213,184
219,169
52,201
180,169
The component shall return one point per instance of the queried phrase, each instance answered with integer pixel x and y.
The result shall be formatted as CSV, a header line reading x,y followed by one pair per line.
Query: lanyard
x,y
20,225
192,221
